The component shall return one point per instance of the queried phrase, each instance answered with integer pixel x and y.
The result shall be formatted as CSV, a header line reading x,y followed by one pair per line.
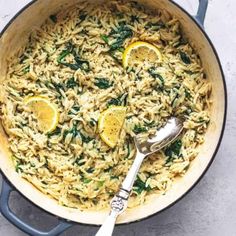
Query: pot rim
x,y
200,26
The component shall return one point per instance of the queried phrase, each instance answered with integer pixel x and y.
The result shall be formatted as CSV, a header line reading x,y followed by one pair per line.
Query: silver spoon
x,y
162,138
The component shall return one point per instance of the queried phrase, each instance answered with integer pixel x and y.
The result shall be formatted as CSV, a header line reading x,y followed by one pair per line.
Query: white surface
x,y
210,208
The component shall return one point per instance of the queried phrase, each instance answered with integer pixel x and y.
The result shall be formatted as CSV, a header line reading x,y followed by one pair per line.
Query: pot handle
x,y
7,213
201,12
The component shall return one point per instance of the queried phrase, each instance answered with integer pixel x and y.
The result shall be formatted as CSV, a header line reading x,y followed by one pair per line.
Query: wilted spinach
x,y
156,75
105,38
74,110
140,186
155,26
173,150
85,139
150,124
53,18
18,167
71,83
26,69
119,101
185,58
139,129
57,131
80,160
58,87
118,36
78,62
103,83
92,122
75,132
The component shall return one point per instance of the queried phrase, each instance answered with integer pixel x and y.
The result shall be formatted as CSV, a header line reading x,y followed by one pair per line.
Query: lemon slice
x,y
46,112
139,52
110,123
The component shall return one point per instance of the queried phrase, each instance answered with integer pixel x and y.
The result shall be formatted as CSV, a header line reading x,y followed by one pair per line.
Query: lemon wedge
x,y
46,112
110,123
139,52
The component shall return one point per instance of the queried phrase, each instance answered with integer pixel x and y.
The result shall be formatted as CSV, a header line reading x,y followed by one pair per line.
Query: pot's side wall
x,y
33,17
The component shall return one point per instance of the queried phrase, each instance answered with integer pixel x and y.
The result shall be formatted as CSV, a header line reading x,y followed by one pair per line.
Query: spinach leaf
x,y
119,35
86,181
80,160
187,93
58,87
150,124
82,16
57,131
185,58
53,18
75,132
114,177
100,183
63,54
72,131
173,149
108,169
71,83
74,110
78,62
105,38
181,42
85,139
22,58
18,167
156,75
140,186
155,26
81,64
103,83
26,69
128,151
114,101
139,129
92,122
119,101
90,170
134,18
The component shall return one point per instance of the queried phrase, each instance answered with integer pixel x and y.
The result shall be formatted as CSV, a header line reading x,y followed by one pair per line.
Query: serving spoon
x,y
162,138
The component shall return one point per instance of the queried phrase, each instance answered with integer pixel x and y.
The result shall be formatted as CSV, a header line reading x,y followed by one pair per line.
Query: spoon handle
x,y
132,173
119,201
107,227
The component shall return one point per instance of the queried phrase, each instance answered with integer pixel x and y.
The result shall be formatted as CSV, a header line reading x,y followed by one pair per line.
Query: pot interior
x,y
34,16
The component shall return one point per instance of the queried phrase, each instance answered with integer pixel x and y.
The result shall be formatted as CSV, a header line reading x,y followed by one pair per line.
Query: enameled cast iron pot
x,y
15,34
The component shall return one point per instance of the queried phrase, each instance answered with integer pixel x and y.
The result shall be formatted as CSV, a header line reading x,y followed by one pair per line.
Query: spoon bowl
x,y
163,137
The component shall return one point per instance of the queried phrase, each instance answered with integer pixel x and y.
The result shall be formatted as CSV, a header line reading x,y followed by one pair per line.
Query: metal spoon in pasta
x,y
162,138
